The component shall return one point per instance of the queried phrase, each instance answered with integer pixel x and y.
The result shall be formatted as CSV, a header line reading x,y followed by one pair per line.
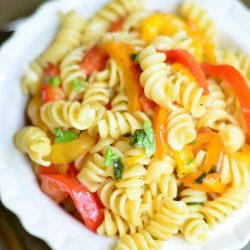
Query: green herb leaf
x,y
62,136
194,203
192,142
144,138
134,57
200,179
53,81
110,156
118,168
190,161
77,85
154,238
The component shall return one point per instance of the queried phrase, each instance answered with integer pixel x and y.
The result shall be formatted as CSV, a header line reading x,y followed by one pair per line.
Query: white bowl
x,y
19,189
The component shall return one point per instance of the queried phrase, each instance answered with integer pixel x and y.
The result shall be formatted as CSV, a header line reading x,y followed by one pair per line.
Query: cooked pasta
x,y
110,13
35,143
194,228
71,72
31,82
217,210
116,124
67,38
67,114
143,129
181,129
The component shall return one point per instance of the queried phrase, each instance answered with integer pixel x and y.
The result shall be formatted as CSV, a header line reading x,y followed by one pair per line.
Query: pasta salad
x,y
139,123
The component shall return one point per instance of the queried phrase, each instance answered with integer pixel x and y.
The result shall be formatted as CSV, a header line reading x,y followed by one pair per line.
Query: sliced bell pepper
x,y
166,24
160,126
63,153
186,59
116,26
94,60
58,187
206,177
121,53
237,82
185,161
50,93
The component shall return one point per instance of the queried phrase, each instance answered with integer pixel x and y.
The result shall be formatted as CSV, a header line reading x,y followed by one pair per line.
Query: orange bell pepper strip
x,y
94,60
237,82
116,26
121,53
206,178
160,127
186,59
59,187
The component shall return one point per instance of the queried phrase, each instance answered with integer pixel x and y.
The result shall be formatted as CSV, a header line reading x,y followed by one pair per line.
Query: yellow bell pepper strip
x,y
208,47
186,59
185,161
206,177
239,85
166,24
160,127
63,153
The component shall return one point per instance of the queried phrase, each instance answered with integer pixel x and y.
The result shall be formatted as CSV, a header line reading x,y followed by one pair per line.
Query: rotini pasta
x,y
143,130
67,114
68,38
35,143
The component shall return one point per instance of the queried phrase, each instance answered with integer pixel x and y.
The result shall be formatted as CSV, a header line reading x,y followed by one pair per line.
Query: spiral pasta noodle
x,y
32,78
113,224
220,208
35,143
236,171
70,72
194,228
110,13
67,38
181,129
117,124
194,12
120,103
67,114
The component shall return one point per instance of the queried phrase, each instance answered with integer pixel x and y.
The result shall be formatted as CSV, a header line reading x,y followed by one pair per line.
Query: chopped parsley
x,y
194,203
192,142
113,159
53,81
200,179
78,85
144,138
62,136
190,161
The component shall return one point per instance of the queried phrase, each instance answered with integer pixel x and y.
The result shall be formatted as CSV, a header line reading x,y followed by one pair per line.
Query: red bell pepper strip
x,y
59,187
186,59
116,26
94,60
50,93
237,82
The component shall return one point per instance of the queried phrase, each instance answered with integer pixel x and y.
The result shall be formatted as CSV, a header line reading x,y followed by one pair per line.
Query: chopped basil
x,y
113,159
118,168
194,203
77,85
192,142
144,138
190,161
53,81
62,136
200,179
134,57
